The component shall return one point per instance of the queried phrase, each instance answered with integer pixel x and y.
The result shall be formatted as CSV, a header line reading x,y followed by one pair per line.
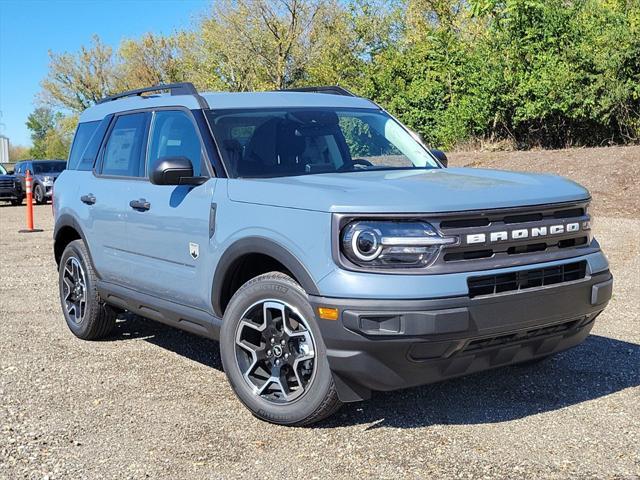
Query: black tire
x,y
318,398
17,201
38,194
96,319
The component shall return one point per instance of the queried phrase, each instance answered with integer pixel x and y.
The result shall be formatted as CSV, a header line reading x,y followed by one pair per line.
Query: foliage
x,y
18,152
40,121
51,133
549,73
152,60
77,81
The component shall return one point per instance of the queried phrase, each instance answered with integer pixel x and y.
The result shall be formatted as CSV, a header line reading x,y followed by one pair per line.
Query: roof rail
x,y
330,89
182,88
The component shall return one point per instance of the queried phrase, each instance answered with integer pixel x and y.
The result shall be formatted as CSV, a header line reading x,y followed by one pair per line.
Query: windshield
x,y
3,171
298,141
48,167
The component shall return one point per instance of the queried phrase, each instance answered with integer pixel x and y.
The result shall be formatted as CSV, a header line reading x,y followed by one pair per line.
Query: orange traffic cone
x,y
29,228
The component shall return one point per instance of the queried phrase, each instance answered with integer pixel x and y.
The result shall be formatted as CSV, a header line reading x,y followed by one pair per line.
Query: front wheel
x,y
38,194
17,201
273,354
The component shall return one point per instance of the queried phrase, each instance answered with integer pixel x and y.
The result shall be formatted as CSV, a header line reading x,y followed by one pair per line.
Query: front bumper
x,y
9,194
393,344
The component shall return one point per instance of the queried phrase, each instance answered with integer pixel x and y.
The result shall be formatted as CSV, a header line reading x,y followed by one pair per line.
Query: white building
x,y
4,149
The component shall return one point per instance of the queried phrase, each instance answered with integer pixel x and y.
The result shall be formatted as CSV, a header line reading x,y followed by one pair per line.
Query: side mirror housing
x,y
441,156
174,171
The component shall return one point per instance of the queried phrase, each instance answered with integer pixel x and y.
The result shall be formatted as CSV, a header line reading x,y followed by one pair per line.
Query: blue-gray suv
x,y
327,249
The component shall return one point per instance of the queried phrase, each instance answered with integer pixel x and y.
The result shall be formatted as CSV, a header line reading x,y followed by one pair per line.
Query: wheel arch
x,y
241,250
66,230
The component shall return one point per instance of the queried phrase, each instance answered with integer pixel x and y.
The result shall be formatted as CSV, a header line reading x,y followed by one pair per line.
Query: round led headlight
x,y
366,244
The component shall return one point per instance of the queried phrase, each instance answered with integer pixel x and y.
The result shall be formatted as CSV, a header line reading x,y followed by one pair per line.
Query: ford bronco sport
x,y
327,249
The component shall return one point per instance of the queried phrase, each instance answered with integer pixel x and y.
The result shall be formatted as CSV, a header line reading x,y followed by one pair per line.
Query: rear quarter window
x,y
86,144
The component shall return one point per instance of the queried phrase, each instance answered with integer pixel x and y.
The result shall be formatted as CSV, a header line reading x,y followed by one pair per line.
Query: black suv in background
x,y
44,173
10,190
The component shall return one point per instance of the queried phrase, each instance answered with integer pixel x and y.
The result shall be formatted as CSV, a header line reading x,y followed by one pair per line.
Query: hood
x,y
48,174
408,191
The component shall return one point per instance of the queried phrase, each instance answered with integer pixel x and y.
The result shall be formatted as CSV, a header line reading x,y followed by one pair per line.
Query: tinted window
x,y
297,141
124,149
48,167
83,135
174,135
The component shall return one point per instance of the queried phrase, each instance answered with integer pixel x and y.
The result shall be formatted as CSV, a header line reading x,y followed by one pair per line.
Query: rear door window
x,y
124,151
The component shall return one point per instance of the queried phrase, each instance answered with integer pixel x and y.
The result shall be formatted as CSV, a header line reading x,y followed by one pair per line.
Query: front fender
x,y
264,246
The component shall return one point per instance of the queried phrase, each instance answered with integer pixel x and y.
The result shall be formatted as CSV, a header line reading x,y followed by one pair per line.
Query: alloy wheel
x,y
74,287
275,351
38,194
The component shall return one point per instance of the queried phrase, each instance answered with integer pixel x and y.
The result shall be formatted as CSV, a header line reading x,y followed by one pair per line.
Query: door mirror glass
x,y
174,171
441,156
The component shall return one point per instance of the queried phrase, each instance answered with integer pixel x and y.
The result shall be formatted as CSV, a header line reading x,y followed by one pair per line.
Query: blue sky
x,y
30,28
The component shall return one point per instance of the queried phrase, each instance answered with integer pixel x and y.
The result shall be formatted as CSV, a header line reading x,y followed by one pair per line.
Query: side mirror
x,y
440,155
174,171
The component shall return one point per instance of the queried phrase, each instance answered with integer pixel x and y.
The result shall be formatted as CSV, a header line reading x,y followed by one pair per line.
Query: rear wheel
x,y
86,315
273,353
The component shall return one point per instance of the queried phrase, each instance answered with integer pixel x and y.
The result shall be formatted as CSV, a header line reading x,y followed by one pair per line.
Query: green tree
x,y
58,139
51,133
40,122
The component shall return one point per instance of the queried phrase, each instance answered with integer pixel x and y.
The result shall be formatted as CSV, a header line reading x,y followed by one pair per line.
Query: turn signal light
x,y
328,313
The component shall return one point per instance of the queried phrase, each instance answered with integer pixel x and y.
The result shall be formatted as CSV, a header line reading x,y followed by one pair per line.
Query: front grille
x,y
6,183
500,340
521,280
538,245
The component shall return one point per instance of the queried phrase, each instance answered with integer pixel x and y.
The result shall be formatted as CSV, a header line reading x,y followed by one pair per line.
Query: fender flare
x,y
68,220
264,246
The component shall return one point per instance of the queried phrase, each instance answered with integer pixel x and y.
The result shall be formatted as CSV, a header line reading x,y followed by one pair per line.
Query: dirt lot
x,y
152,402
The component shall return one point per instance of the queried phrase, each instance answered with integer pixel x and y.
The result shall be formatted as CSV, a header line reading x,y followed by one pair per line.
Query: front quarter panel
x,y
305,234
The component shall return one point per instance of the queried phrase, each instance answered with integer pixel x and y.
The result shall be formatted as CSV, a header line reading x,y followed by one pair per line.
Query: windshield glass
x,y
48,167
299,141
3,171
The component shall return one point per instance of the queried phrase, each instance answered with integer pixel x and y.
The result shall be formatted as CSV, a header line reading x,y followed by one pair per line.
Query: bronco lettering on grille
x,y
522,233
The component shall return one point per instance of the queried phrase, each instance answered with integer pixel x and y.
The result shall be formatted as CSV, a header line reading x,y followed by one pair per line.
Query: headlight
x,y
392,244
47,179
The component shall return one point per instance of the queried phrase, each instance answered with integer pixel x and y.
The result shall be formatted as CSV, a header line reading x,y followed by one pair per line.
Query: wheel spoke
x,y
68,286
74,290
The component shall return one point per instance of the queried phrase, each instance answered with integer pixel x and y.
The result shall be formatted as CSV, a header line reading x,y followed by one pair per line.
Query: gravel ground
x,y
153,402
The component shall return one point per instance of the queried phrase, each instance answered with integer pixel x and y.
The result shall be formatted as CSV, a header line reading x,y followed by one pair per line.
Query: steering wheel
x,y
357,161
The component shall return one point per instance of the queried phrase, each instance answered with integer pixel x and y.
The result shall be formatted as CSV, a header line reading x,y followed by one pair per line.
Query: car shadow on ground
x,y
600,366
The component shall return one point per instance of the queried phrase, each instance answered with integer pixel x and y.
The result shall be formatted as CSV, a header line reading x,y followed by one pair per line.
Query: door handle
x,y
89,199
141,205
